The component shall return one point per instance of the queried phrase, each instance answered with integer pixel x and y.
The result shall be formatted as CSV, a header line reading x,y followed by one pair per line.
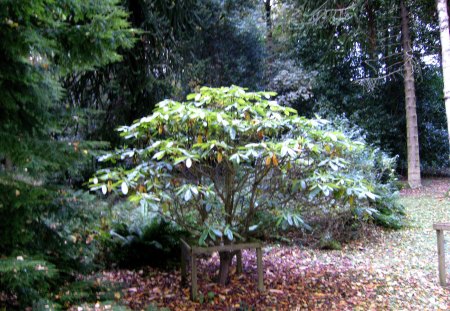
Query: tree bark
x,y
8,164
372,29
410,103
268,9
269,41
225,264
441,6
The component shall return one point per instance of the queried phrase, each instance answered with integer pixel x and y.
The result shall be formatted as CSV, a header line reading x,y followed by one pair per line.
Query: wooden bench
x,y
189,254
440,228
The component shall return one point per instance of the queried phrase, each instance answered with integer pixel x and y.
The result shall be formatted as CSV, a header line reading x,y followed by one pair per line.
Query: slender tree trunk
x,y
225,264
8,164
445,43
226,257
268,9
410,102
269,40
372,29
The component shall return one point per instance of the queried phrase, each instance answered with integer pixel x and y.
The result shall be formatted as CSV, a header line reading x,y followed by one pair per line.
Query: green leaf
x,y
232,133
228,233
303,184
187,195
212,235
315,191
252,228
159,155
289,219
217,232
235,158
194,190
203,237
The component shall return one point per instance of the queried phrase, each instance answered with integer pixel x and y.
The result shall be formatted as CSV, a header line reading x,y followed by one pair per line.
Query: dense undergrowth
x,y
66,233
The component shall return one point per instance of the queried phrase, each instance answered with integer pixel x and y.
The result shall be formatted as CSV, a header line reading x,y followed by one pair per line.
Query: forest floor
x,y
388,270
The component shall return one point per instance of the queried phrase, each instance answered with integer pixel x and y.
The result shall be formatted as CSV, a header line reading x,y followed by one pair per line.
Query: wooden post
x,y
194,288
239,262
440,228
260,269
441,257
183,265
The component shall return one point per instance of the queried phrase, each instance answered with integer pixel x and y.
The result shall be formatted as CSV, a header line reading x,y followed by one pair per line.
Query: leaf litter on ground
x,y
390,270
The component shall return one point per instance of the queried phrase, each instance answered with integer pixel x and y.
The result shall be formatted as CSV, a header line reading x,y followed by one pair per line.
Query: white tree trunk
x,y
445,43
412,132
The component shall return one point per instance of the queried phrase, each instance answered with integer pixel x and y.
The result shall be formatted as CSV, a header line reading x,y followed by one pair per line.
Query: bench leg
x,y
441,257
260,269
239,262
194,288
183,266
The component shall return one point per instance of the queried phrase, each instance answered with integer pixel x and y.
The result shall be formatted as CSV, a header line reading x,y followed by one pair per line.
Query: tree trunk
x,y
8,164
372,29
445,43
268,9
410,102
225,264
269,41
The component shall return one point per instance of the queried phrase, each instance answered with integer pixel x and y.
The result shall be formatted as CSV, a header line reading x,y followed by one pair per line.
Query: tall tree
x,y
182,41
442,10
361,37
149,72
414,179
269,35
227,48
41,42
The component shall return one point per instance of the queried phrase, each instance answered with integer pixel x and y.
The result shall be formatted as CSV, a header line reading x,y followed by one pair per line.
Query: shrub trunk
x,y
225,264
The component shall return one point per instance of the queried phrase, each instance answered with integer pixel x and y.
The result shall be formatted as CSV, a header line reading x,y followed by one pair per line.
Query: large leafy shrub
x,y
211,163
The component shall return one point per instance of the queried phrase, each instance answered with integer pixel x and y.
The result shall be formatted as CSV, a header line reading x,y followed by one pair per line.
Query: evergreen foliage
x,y
115,94
43,41
154,243
27,278
354,49
178,47
227,48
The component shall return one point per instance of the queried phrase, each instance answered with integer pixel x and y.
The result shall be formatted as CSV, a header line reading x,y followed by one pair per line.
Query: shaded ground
x,y
395,270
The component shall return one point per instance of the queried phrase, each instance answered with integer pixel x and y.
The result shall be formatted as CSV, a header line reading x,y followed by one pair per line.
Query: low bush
x,y
47,237
25,280
155,244
132,237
